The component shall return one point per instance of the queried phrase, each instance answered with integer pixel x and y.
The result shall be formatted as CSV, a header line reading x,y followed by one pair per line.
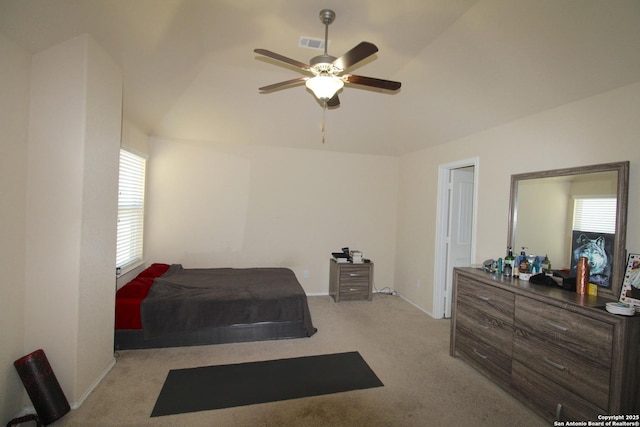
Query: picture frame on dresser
x,y
630,292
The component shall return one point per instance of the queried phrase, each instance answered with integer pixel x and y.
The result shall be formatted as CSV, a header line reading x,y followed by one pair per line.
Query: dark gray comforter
x,y
187,300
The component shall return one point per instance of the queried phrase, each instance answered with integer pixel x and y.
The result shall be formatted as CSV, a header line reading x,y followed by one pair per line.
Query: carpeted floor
x,y
407,349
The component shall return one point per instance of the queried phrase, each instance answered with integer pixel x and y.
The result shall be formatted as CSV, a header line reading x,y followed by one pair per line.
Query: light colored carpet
x,y
408,350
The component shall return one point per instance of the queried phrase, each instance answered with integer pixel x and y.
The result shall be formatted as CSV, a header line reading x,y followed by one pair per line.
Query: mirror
x,y
541,218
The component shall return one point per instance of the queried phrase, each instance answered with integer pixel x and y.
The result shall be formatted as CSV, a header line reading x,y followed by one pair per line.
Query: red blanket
x,y
129,297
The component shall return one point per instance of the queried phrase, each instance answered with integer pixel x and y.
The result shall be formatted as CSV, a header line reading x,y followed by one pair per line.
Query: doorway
x,y
455,228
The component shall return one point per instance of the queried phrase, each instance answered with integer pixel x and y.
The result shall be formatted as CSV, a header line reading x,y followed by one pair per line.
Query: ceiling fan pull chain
x,y
324,114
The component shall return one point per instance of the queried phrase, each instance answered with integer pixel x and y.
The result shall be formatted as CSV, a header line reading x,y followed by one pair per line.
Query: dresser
x,y
561,353
349,281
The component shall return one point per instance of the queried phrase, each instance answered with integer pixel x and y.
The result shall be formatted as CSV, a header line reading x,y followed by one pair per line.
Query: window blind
x,y
595,214
131,185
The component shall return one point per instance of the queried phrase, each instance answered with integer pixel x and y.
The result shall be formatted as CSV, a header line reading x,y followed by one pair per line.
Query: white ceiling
x,y
465,65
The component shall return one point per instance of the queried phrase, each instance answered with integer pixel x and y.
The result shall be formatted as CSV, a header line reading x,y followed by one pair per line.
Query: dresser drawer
x,y
495,302
581,376
488,329
547,395
489,359
584,336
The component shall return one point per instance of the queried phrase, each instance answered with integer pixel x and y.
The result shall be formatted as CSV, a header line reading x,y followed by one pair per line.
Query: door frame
x,y
441,295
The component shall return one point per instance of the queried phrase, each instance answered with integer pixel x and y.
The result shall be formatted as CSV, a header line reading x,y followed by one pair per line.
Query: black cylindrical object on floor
x,y
42,386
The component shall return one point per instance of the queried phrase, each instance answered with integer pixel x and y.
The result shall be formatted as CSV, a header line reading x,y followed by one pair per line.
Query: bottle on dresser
x,y
509,262
524,265
546,265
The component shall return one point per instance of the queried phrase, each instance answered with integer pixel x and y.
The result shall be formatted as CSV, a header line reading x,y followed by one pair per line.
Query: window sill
x,y
129,267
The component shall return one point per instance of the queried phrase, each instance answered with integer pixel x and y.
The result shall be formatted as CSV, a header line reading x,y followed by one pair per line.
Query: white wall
x,y
133,139
14,113
217,205
599,129
544,206
74,137
102,134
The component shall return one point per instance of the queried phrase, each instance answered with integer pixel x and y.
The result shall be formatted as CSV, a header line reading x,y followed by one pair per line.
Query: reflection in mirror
x,y
543,212
546,208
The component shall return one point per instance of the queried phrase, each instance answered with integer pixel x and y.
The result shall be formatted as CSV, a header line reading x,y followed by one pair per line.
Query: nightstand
x,y
349,281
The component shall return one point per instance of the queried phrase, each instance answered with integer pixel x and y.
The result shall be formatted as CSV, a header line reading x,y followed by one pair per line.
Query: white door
x,y
460,226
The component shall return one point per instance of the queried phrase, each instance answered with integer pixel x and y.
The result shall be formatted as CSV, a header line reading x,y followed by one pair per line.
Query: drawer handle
x,y
354,289
558,411
354,274
482,325
554,364
558,327
480,354
483,298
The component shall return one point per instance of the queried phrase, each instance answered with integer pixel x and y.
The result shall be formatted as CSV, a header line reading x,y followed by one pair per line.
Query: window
x,y
595,214
130,210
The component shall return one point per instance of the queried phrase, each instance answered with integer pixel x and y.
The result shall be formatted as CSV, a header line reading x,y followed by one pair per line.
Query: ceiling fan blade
x,y
333,102
355,55
370,81
279,57
282,84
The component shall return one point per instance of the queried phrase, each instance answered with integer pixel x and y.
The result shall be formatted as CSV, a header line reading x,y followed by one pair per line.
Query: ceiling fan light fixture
x,y
324,87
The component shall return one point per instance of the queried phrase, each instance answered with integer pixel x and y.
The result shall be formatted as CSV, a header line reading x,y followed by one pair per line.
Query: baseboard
x,y
79,402
416,305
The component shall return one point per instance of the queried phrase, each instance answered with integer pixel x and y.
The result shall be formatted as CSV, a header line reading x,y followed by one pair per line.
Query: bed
x,y
171,306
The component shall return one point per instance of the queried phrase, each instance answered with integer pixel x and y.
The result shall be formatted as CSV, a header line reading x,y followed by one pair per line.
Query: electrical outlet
x,y
306,274
418,284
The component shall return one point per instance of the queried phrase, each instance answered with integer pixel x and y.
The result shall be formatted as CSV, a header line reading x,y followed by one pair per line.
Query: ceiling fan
x,y
327,78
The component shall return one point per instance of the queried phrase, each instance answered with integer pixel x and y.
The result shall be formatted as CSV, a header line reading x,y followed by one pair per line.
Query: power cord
x,y
385,292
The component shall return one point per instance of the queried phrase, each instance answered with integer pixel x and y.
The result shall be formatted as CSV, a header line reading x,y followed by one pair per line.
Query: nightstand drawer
x,y
354,273
354,291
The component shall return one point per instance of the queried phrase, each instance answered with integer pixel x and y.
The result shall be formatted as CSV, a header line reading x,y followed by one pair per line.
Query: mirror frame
x,y
619,248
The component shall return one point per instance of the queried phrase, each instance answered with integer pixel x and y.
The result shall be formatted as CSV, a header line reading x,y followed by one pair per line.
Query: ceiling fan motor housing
x,y
323,65
327,16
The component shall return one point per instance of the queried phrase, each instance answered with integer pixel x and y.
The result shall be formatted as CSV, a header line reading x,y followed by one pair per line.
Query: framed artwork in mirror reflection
x,y
598,249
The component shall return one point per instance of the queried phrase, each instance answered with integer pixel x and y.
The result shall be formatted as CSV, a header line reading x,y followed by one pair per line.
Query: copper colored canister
x,y
582,276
